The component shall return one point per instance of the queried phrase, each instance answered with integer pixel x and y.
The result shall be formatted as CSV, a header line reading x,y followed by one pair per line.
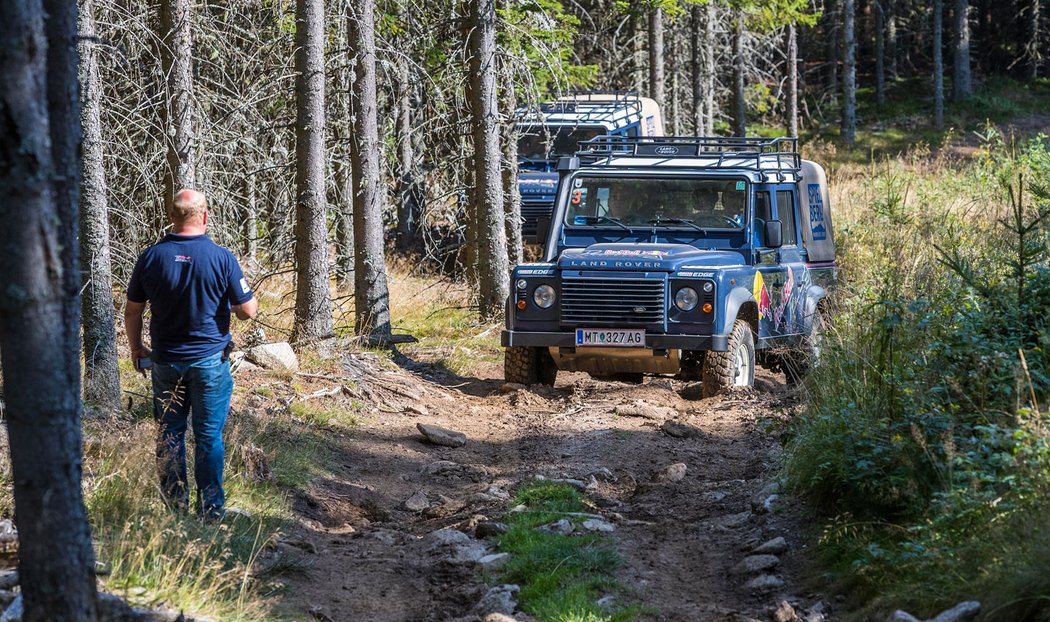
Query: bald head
x,y
189,208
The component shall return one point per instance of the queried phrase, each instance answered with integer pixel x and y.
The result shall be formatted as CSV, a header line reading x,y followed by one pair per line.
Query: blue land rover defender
x,y
689,256
554,129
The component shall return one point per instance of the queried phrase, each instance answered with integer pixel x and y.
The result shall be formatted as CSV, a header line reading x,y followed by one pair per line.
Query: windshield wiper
x,y
677,221
591,220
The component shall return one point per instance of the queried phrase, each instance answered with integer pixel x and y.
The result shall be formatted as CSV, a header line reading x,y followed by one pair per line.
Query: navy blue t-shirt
x,y
190,283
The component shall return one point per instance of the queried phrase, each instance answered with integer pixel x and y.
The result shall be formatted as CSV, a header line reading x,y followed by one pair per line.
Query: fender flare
x,y
736,299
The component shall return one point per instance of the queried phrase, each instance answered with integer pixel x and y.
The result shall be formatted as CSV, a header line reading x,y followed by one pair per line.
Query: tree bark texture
x,y
313,303
697,46
832,37
101,376
371,298
176,54
39,306
739,70
849,73
890,7
511,193
656,56
962,83
792,80
493,270
709,69
251,216
409,183
343,218
938,64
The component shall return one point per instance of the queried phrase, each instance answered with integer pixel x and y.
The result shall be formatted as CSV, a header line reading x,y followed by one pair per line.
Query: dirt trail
x,y
362,555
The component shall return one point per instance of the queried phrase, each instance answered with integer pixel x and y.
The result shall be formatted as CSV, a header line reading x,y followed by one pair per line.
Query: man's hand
x,y
133,325
139,353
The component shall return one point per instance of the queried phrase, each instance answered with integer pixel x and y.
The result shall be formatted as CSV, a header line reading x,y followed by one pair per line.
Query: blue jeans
x,y
203,387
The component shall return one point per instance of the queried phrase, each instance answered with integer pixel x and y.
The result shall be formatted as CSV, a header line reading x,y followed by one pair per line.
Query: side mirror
x,y
774,234
543,228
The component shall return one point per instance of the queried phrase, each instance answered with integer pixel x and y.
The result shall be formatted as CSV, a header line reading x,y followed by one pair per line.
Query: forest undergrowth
x,y
924,440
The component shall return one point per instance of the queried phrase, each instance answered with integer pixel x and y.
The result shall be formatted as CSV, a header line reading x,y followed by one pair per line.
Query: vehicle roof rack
x,y
755,154
599,105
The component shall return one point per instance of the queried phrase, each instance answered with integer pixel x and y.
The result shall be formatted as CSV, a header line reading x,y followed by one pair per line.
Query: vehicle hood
x,y
664,257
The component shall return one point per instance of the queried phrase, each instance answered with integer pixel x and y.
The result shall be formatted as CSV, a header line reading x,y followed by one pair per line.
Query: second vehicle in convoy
x,y
689,256
554,129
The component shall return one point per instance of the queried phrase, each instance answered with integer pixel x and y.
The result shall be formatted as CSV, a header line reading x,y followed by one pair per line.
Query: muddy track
x,y
362,555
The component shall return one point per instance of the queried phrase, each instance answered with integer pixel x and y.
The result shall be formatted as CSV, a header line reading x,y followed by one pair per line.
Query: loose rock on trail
x,y
396,531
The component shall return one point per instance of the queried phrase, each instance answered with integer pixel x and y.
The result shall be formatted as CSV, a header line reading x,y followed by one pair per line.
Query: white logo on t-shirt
x,y
244,286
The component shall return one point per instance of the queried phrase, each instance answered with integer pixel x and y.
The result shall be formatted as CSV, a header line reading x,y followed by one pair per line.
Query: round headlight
x,y
544,296
521,284
708,287
686,299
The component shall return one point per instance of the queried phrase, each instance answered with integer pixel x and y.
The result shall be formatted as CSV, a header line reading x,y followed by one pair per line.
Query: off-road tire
x,y
525,365
720,367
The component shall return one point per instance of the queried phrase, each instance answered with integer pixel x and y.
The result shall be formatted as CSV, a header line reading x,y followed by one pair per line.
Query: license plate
x,y
634,338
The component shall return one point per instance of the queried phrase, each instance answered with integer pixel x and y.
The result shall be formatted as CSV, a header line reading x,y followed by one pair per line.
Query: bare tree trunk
x,y
962,83
831,44
101,376
739,94
792,76
371,298
515,245
493,271
638,53
656,56
696,34
1033,48
313,301
409,191
938,64
849,74
39,306
343,220
709,69
176,47
880,52
891,38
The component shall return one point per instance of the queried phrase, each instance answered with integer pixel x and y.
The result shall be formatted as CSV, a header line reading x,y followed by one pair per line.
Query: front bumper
x,y
716,343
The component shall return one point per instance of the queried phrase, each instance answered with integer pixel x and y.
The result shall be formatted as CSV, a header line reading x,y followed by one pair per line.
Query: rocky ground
x,y
685,485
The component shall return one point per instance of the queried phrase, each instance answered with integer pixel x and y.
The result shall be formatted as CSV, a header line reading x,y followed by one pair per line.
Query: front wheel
x,y
525,365
733,368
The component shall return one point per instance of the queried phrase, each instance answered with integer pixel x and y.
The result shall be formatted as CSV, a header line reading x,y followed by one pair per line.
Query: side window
x,y
632,131
763,213
786,212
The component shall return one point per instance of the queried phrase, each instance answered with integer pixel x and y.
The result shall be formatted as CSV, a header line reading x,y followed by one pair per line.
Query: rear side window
x,y
786,212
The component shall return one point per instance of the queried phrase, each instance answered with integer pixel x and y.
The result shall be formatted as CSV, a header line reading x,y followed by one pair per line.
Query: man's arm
x,y
133,326
246,311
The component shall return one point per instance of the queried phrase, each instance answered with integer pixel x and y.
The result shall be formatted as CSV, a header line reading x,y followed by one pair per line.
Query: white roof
x,y
772,167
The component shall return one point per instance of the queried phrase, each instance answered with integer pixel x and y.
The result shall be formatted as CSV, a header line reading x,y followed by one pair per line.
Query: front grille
x,y
531,212
612,302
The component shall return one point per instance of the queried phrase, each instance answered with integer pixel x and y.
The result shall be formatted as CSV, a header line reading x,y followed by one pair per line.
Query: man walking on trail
x,y
192,285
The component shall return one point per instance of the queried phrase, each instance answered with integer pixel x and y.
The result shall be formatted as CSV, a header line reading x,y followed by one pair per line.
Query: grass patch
x,y
327,412
561,577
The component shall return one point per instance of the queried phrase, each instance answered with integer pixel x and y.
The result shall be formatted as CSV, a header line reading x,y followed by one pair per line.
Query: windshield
x,y
549,143
645,202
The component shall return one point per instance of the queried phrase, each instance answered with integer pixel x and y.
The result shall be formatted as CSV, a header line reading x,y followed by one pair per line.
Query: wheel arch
x,y
741,305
